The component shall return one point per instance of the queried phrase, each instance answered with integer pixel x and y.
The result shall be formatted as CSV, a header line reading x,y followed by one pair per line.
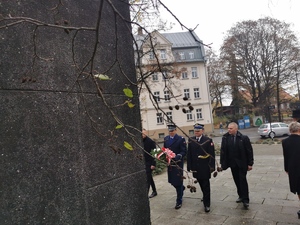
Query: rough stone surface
x,y
62,161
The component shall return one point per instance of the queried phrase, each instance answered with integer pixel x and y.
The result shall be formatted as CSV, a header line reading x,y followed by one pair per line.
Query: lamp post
x,y
297,85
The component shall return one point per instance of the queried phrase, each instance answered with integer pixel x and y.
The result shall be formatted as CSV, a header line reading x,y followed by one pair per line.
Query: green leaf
x,y
119,126
130,105
128,92
102,77
128,146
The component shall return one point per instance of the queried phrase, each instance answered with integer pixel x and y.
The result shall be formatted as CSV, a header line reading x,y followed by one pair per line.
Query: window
x,y
194,72
186,93
184,75
167,95
191,133
164,75
155,77
169,117
159,118
196,93
199,114
163,54
189,115
156,96
151,55
182,56
191,54
161,135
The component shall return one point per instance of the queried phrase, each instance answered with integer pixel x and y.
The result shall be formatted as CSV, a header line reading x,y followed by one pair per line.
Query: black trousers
x,y
150,181
240,180
205,188
179,192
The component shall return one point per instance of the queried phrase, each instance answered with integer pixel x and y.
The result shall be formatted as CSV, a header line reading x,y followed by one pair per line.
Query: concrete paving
x,y
271,201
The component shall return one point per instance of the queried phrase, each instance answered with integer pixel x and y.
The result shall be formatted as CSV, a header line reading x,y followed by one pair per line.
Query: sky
x,y
215,17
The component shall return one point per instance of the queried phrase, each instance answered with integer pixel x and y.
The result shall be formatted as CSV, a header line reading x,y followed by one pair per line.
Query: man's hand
x,y
177,157
249,168
152,167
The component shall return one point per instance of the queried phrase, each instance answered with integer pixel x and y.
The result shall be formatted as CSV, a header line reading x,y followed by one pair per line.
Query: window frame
x,y
159,118
184,75
196,93
199,114
182,55
189,115
191,55
186,92
163,54
169,116
156,95
155,75
167,96
194,72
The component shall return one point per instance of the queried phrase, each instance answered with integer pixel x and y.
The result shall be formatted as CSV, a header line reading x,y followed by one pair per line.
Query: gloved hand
x,y
177,157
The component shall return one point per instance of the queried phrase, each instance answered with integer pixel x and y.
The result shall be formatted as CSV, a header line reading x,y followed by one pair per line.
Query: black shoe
x,y
153,194
246,205
239,200
206,209
298,214
178,206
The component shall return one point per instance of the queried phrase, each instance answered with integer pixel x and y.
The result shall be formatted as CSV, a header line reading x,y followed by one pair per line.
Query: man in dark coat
x,y
237,153
291,155
296,115
200,145
149,145
176,144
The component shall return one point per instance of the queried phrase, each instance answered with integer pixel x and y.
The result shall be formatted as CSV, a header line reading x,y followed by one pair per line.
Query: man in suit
x,y
149,145
200,145
237,153
176,144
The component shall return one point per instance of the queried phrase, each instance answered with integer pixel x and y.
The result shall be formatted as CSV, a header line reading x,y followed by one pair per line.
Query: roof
x,y
183,39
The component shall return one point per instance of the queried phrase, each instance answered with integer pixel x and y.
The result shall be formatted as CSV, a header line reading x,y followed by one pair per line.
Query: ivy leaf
x,y
119,126
128,146
128,92
102,77
130,105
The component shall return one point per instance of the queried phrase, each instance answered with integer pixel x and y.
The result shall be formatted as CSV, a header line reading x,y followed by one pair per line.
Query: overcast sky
x,y
216,17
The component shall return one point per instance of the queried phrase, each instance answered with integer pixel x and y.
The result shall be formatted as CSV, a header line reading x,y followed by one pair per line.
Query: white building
x,y
172,66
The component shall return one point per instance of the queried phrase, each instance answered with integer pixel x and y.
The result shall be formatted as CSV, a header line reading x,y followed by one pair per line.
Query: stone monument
x,y
64,117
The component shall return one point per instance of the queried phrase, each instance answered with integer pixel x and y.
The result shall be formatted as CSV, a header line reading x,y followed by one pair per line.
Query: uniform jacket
x,y
202,166
291,154
178,146
244,146
149,145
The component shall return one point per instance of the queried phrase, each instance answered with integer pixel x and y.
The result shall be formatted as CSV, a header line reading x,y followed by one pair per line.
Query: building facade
x,y
173,83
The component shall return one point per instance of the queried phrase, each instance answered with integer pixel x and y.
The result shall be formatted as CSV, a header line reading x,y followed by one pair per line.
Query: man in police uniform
x,y
176,144
200,145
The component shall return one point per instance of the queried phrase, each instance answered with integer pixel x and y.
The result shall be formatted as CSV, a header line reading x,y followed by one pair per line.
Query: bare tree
x,y
218,81
264,53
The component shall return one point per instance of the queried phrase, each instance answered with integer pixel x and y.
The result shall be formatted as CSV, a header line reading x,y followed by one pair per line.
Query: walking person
x,y
237,153
150,162
177,144
291,156
221,128
200,145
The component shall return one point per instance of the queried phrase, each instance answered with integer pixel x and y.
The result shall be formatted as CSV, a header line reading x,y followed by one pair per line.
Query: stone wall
x,y
62,161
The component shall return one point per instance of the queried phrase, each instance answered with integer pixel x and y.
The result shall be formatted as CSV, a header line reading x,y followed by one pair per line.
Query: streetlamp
x,y
297,85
